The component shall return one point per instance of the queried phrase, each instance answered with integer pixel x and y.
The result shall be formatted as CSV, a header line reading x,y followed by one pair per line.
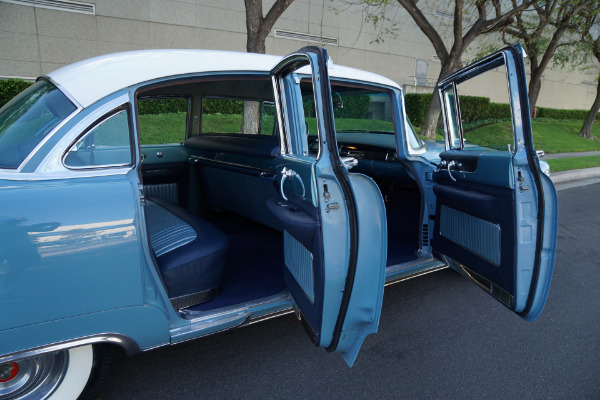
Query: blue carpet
x,y
255,262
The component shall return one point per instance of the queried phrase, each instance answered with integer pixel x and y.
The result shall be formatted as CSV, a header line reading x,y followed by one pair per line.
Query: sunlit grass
x,y
552,136
566,164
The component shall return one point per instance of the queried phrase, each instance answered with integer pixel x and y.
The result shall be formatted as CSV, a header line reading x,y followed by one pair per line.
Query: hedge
x,y
556,113
356,106
9,88
472,108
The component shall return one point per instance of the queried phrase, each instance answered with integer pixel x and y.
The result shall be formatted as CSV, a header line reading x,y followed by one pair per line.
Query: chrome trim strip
x,y
393,274
270,316
207,160
65,175
199,316
52,166
415,275
125,342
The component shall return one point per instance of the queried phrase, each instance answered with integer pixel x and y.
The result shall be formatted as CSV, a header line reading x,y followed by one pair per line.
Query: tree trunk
x,y
251,121
535,85
586,130
254,44
432,116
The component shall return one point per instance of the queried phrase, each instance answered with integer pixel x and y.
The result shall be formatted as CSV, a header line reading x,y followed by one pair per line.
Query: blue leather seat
x,y
190,252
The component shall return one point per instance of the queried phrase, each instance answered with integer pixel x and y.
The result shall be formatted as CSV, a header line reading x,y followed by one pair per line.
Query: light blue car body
x,y
76,266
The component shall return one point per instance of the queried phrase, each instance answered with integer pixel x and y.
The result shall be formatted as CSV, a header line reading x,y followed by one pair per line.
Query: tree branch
x,y
274,13
438,44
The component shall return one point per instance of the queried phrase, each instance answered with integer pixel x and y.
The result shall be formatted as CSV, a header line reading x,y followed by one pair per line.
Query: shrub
x,y
9,88
557,113
472,108
416,107
162,106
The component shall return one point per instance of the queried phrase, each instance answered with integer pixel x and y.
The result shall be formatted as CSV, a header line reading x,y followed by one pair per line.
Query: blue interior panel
x,y
474,234
299,260
484,204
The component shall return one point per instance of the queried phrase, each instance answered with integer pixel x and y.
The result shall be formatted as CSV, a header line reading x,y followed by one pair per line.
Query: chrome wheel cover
x,y
38,377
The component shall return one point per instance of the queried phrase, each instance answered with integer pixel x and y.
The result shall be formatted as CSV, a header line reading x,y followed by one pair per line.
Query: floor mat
x,y
401,249
255,262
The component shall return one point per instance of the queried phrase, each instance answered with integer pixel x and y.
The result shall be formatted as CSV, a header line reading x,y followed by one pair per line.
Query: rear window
x,y
28,118
163,120
234,116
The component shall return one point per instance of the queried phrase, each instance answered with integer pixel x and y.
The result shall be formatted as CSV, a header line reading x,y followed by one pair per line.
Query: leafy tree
x,y
589,31
470,20
543,29
258,28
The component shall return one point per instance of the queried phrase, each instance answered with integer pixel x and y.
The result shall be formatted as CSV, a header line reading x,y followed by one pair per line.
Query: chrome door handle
x,y
290,173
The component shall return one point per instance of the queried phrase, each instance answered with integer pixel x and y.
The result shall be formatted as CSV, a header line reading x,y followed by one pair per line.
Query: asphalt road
x,y
440,337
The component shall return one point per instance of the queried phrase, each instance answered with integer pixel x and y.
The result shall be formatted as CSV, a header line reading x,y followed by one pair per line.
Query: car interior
x,y
207,185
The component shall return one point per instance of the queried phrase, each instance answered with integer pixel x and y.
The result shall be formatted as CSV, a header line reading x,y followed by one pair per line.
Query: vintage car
x,y
153,197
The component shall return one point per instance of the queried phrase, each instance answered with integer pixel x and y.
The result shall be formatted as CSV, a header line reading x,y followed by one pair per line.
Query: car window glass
x,y
414,142
235,116
452,118
28,118
355,109
106,144
162,120
485,112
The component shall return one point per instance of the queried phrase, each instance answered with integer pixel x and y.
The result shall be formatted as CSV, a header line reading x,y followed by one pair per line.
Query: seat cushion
x,y
190,252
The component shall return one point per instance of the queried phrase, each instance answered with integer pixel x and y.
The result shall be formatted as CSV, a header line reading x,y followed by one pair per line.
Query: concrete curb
x,y
575,174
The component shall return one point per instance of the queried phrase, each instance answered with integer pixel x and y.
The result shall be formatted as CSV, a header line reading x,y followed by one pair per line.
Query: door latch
x,y
332,206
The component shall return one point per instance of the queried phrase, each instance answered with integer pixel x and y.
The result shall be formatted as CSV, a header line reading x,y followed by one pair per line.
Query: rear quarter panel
x,y
70,248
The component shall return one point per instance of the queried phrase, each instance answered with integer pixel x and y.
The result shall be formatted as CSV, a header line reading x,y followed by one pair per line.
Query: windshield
x,y
356,109
28,118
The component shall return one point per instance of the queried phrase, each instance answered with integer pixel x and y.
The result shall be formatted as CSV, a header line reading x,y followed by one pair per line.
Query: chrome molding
x,y
52,166
125,342
199,316
246,314
413,269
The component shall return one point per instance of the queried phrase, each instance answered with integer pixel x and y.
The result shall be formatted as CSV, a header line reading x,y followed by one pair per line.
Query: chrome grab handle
x,y
349,162
290,173
450,165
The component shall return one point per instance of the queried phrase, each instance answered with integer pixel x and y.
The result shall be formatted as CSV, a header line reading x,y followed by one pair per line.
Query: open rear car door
x,y
335,233
496,212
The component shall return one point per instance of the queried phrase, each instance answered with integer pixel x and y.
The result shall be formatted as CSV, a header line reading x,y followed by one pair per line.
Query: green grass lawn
x,y
566,164
170,128
552,136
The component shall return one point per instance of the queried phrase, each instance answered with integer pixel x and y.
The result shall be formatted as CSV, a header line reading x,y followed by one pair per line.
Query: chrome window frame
x,y
113,113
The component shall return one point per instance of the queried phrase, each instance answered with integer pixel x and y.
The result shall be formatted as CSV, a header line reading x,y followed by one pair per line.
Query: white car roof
x,y
90,80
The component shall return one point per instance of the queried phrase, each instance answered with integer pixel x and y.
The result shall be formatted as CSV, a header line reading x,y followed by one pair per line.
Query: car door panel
x,y
165,172
476,225
496,213
335,250
488,168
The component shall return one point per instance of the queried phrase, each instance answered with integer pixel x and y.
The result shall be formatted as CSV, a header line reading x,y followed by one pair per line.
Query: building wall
x,y
35,41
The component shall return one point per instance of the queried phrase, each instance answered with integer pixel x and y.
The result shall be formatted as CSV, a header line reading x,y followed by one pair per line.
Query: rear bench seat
x,y
190,252
239,172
